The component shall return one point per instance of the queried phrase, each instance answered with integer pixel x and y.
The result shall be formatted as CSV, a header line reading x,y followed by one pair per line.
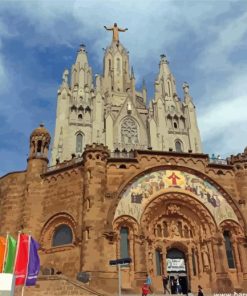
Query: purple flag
x,y
33,264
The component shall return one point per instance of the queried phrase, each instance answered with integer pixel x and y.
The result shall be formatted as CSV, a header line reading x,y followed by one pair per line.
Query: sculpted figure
x,y
174,232
205,257
115,29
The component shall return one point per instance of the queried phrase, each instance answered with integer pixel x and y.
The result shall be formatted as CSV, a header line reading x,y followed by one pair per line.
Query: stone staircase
x,y
58,285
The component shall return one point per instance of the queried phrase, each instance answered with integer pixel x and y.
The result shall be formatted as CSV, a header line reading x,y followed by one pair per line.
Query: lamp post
x,y
119,263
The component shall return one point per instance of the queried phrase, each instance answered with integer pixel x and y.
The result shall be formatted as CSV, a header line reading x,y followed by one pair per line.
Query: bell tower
x,y
38,152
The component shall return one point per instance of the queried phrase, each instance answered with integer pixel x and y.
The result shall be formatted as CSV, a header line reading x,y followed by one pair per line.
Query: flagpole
x,y
17,249
5,251
29,242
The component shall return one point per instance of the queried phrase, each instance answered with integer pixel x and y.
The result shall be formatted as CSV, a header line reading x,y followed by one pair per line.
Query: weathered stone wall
x,y
12,193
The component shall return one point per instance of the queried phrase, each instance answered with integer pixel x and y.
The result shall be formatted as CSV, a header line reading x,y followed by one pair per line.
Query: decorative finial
x,y
132,73
186,89
164,59
144,84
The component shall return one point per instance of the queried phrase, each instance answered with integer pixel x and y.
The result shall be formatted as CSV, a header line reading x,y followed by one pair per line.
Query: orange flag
x,y
2,251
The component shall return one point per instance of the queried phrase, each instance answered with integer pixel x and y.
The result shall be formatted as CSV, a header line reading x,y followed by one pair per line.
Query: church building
x,y
128,179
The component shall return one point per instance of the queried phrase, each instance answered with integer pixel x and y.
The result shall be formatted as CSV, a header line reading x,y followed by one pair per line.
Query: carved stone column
x,y
211,259
190,264
200,263
236,254
243,256
164,259
223,282
131,244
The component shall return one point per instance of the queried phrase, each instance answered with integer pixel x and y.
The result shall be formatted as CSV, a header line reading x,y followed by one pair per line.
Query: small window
x,y
80,116
175,125
39,146
124,242
109,65
62,236
178,146
79,142
229,250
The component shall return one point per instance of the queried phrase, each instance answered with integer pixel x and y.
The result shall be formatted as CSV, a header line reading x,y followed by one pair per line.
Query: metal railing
x,y
218,161
64,164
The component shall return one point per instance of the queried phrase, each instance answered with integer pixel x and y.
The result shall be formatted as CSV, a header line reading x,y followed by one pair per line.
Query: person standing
x,y
200,292
149,283
165,280
145,289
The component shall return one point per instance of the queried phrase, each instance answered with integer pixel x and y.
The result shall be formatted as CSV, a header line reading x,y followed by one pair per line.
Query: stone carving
x,y
173,230
115,29
205,257
173,209
129,132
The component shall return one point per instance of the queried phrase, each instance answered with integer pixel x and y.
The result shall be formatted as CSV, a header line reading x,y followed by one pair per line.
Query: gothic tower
x,y
113,112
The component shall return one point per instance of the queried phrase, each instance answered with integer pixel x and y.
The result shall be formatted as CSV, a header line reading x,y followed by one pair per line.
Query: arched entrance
x,y
180,228
177,271
177,210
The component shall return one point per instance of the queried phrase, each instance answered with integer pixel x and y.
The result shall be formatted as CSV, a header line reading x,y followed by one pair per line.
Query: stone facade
x,y
157,207
111,111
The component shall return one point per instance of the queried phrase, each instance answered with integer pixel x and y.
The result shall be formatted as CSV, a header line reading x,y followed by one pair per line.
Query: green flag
x,y
10,257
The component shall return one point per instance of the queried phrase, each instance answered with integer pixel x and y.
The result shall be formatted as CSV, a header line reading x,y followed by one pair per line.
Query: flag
x,y
10,256
2,251
33,264
7,284
21,264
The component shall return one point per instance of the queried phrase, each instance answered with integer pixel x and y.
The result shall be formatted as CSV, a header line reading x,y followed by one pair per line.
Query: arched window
x,y
80,116
39,146
178,146
109,65
229,250
124,242
159,262
129,131
175,125
118,65
62,236
79,143
169,87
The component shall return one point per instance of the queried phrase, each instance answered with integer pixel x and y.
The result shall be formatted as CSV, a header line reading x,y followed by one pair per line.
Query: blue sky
x,y
205,42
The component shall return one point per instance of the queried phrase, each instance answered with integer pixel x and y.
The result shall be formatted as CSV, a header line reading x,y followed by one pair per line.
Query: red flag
x,y
21,264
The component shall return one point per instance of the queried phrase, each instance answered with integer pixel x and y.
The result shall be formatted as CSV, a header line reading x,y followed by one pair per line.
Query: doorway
x,y
176,269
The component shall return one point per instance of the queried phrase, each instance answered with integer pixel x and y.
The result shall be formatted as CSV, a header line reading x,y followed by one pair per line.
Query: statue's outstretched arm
x,y
108,29
122,30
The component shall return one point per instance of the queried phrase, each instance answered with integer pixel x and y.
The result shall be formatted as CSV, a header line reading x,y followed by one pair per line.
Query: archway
x,y
177,271
177,209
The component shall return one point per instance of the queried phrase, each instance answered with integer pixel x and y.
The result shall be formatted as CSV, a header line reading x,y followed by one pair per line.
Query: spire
x,y
82,55
187,96
144,84
164,68
132,76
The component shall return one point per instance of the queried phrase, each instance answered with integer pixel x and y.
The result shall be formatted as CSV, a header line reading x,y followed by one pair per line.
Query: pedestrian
x,y
178,286
145,289
149,283
200,292
165,280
